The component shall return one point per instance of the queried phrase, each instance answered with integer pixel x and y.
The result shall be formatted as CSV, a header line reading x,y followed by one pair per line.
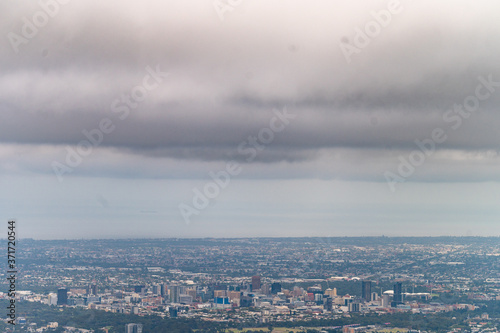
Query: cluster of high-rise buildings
x,y
292,278
177,297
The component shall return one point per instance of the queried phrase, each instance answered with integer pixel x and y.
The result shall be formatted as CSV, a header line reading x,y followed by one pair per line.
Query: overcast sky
x,y
368,118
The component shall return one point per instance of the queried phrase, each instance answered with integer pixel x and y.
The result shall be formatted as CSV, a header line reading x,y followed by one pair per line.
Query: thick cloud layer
x,y
405,91
226,76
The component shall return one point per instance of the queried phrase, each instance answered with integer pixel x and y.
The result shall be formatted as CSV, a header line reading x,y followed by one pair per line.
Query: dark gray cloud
x,y
356,119
226,77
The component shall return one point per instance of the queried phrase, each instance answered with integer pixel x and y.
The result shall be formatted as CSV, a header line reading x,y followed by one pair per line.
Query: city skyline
x,y
313,285
253,119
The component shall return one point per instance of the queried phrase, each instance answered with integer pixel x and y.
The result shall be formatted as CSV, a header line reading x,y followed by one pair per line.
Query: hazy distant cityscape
x,y
445,284
249,166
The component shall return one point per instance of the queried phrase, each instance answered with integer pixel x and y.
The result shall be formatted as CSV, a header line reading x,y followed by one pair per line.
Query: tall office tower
x,y
133,328
329,304
265,288
385,300
398,294
276,288
353,307
174,292
255,282
162,289
156,289
62,296
92,289
366,290
52,299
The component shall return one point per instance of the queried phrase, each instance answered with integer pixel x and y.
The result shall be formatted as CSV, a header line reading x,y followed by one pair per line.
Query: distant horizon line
x,y
246,237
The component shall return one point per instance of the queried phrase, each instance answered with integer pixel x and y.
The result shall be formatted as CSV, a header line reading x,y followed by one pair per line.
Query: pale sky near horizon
x,y
336,95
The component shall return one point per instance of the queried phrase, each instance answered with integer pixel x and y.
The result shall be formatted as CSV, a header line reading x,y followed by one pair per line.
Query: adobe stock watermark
x,y
95,136
427,147
372,29
249,148
31,26
223,6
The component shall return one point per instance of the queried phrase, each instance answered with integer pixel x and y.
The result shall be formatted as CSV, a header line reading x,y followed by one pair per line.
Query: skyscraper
x,y
162,289
275,288
156,289
174,292
353,307
255,282
329,304
62,296
52,299
92,289
366,290
385,300
398,294
265,288
133,328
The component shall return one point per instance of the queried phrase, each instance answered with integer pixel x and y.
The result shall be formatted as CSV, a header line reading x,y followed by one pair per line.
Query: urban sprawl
x,y
319,284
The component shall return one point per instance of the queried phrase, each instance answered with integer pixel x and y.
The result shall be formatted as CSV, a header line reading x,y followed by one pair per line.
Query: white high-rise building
x,y
133,328
52,299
